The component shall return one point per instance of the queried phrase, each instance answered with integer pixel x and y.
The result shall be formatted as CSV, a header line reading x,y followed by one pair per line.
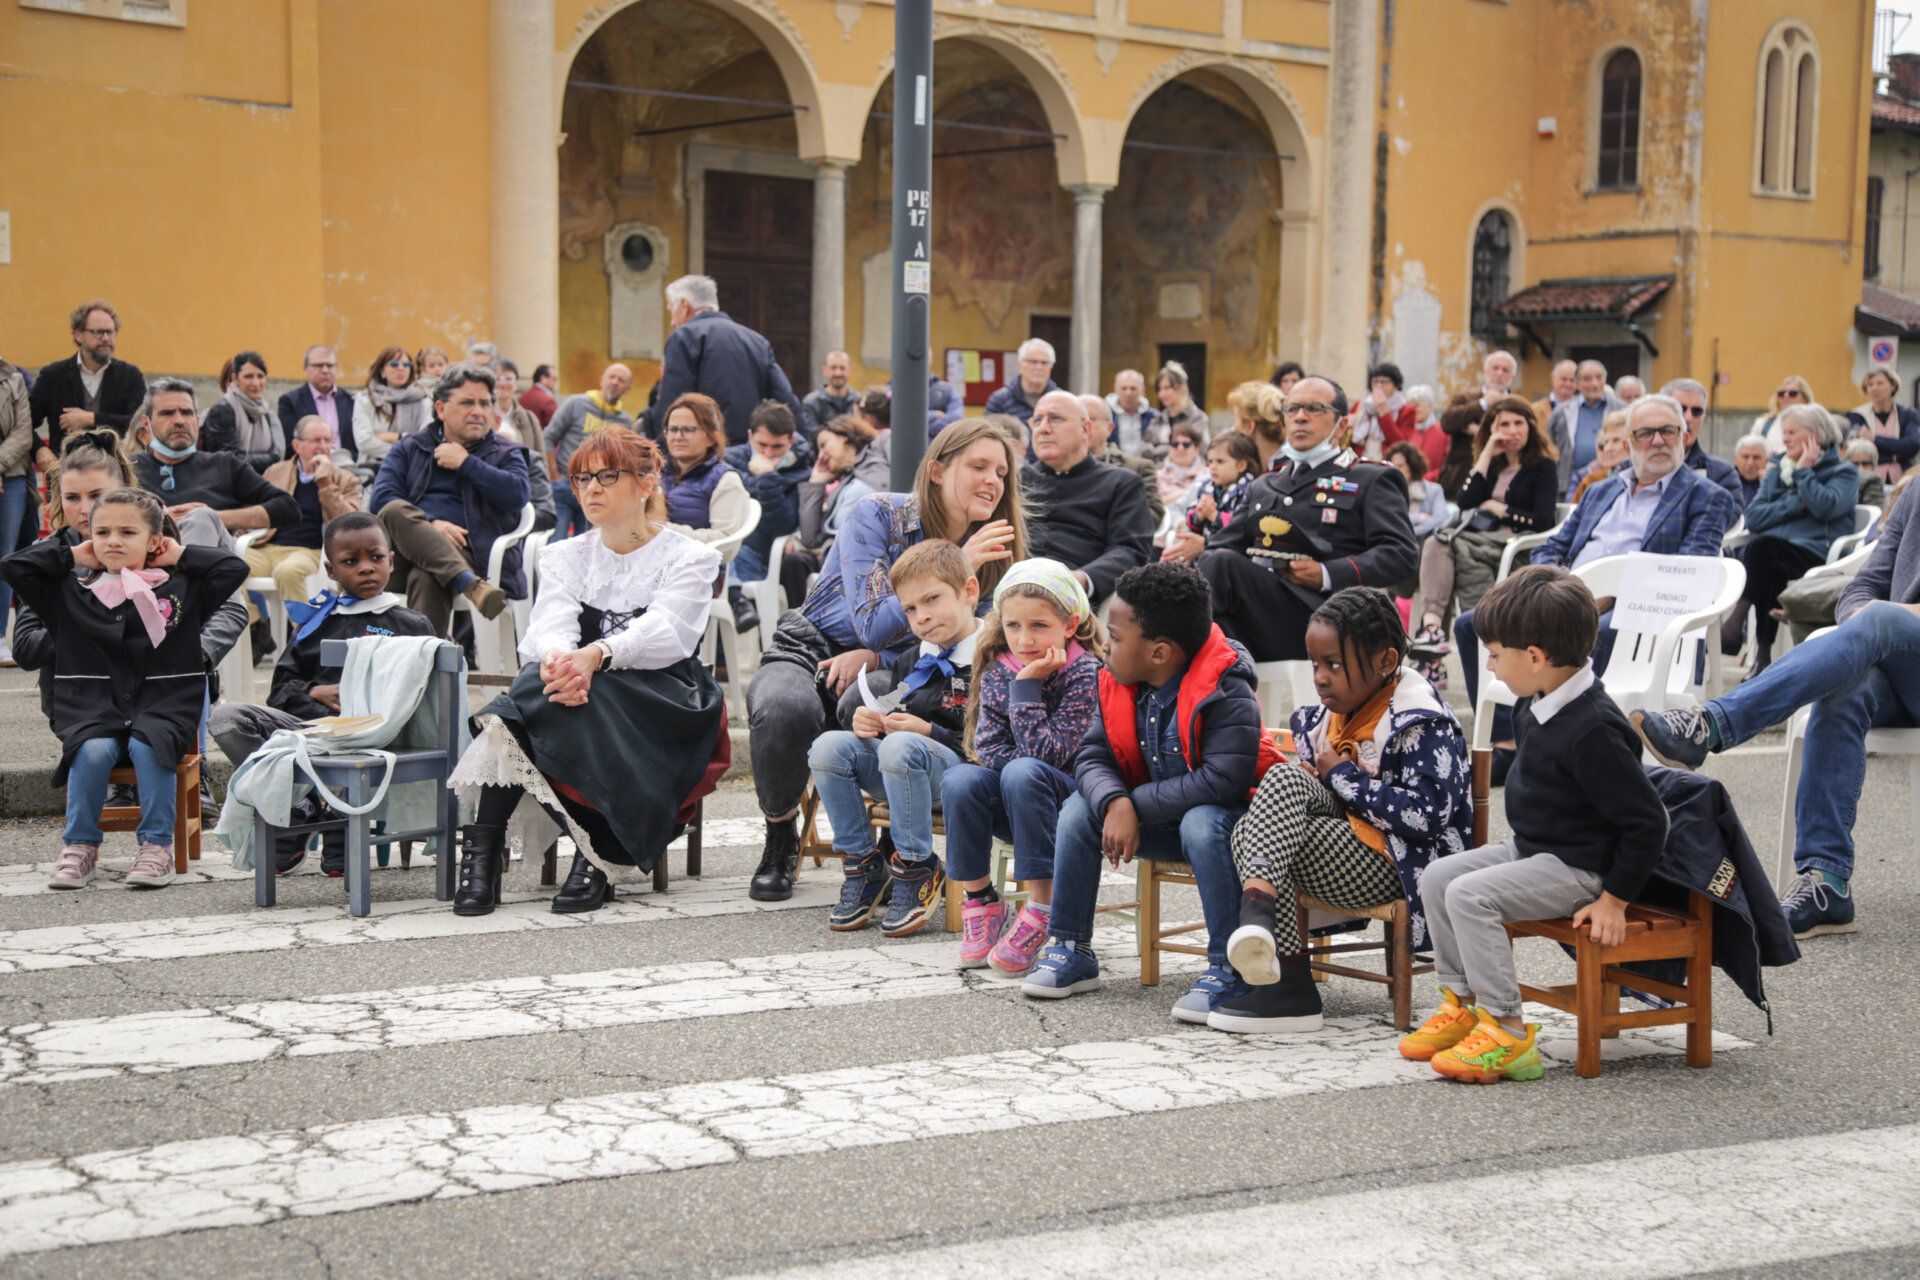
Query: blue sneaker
x,y
1816,905
919,890
1204,996
1679,739
860,897
1061,971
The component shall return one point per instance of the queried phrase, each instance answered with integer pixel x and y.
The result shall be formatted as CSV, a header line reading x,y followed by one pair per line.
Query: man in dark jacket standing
x,y
711,354
89,388
446,493
1089,516
1320,521
833,398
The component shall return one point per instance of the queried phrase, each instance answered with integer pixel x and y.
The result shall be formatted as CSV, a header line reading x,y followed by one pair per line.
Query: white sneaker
x,y
152,868
75,867
6,654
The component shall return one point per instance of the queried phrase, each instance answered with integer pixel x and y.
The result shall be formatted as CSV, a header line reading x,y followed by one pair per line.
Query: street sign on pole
x,y
912,232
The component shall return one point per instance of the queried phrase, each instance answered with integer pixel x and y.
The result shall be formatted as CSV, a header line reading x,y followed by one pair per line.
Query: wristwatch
x,y
606,654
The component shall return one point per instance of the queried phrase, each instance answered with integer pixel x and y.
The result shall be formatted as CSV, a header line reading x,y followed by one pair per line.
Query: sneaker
x,y
289,854
1254,955
1429,642
981,924
122,795
1678,739
75,867
918,892
1490,1053
861,893
1434,671
1449,1025
1815,905
1289,1006
1016,949
333,854
6,654
1215,986
1062,970
152,868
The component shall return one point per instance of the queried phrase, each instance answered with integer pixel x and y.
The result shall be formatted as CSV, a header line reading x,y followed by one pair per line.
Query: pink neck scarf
x,y
115,589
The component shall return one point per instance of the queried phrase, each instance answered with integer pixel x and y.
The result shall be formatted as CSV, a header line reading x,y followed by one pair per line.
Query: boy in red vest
x,y
1164,772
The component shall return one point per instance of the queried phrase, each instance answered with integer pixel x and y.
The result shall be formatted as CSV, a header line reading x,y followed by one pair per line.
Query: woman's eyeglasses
x,y
1182,444
605,479
401,363
682,431
1788,393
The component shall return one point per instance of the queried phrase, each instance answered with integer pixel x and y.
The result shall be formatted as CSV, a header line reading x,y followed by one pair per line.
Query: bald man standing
x,y
575,419
1089,516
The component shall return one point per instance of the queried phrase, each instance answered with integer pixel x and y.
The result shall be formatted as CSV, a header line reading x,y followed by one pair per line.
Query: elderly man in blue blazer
x,y
1654,503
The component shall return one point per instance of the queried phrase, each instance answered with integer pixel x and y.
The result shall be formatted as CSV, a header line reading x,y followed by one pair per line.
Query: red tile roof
x,y
1883,312
1612,298
1896,111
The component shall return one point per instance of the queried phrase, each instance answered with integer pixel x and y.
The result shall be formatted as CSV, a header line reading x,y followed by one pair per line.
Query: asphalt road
x,y
685,1106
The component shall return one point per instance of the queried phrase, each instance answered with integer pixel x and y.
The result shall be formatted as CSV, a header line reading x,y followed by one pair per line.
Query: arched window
x,y
1785,112
1492,261
1619,150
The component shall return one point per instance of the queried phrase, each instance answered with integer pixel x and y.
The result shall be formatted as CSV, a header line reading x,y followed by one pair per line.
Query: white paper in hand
x,y
866,695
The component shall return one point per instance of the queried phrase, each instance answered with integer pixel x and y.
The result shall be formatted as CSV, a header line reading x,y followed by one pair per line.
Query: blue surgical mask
x,y
1314,456
172,455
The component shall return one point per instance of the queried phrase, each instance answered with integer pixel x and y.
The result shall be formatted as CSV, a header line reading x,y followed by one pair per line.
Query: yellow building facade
x,y
1229,182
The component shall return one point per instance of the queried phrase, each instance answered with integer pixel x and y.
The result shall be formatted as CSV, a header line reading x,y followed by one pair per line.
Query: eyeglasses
x,y
683,431
1788,393
1647,435
99,333
605,479
400,362
166,477
1183,444
1312,407
1695,410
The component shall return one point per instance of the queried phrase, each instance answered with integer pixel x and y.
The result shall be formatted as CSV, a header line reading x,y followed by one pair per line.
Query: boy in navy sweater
x,y
358,558
1588,827
1165,771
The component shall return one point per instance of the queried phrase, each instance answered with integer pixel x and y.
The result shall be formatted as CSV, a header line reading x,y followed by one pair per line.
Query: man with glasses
x,y
1020,398
1692,399
87,389
1652,504
1575,425
446,493
320,397
1320,520
211,494
1095,517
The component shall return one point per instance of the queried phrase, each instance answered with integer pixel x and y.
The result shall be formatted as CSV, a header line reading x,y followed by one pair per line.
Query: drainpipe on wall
x,y
1696,128
1351,133
1381,153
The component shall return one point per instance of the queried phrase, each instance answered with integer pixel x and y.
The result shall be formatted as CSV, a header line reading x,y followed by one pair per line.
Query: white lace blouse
x,y
671,578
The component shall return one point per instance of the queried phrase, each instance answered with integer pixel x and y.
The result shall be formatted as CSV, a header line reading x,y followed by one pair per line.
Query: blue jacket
x,y
777,492
1691,520
1892,572
1902,448
945,405
1012,398
1811,512
493,487
715,356
1718,470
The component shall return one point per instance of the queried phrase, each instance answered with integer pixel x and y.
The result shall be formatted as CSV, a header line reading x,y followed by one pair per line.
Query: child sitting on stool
x,y
900,753
1588,827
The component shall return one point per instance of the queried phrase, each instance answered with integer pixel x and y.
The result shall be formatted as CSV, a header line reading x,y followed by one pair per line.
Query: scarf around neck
x,y
115,589
256,425
404,409
1352,736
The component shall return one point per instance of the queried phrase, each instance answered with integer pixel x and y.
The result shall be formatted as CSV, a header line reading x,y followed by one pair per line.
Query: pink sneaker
x,y
152,868
75,867
1018,946
981,924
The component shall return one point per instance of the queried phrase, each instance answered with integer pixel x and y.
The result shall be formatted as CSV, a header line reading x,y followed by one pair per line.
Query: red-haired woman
x,y
609,649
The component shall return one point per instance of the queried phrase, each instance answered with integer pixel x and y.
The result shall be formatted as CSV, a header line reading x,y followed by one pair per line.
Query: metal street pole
x,y
912,231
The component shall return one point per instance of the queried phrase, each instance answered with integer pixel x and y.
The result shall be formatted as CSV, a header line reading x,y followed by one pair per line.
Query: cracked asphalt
x,y
1840,1060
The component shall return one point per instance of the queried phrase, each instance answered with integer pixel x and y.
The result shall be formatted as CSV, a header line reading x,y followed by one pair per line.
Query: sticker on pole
x,y
1657,589
916,277
1883,351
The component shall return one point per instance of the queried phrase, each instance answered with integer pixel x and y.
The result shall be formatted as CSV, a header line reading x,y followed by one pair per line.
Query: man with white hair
x,y
1575,424
710,353
1629,389
1036,379
1564,387
1100,444
482,354
1750,463
1460,420
1692,399
1133,417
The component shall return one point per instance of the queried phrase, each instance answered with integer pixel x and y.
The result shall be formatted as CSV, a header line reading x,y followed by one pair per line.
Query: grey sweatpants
x,y
1469,899
240,727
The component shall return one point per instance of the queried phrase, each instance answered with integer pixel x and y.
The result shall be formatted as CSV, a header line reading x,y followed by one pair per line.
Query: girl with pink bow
x,y
129,676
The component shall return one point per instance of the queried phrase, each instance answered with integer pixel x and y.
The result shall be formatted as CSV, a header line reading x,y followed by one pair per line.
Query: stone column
x,y
1088,202
1351,90
829,260
525,311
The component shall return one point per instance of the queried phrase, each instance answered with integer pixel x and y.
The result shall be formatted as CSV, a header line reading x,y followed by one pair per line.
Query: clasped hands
x,y
569,673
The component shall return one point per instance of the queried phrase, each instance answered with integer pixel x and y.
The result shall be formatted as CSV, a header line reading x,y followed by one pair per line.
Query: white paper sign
x,y
1657,589
866,694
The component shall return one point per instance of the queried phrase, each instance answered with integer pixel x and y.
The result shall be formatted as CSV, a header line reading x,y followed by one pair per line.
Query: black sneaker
x,y
861,896
1678,739
123,795
918,892
1814,906
289,854
1291,1005
1251,949
260,635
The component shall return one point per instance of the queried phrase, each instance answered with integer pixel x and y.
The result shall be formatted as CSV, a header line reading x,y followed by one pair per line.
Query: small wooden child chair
x,y
186,809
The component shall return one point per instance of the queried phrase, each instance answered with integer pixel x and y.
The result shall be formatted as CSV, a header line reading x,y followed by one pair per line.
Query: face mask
x,y
1314,456
171,455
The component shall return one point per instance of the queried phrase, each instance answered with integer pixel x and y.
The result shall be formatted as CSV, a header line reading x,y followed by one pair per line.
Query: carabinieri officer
x,y
1321,519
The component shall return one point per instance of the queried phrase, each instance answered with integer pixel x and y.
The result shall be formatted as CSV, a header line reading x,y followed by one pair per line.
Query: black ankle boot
x,y
773,879
745,616
483,865
587,889
1251,949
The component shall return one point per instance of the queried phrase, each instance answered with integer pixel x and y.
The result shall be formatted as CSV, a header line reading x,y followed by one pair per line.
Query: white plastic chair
x,y
1282,687
530,561
1524,542
494,643
768,596
1865,517
1880,742
720,625
1649,671
272,608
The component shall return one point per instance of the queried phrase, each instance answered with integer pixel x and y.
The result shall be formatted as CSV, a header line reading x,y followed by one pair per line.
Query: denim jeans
x,y
1020,803
1865,675
1203,839
904,769
14,492
749,564
568,518
87,790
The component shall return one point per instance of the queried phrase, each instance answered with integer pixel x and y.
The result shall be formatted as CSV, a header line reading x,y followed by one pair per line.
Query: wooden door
x,y
759,252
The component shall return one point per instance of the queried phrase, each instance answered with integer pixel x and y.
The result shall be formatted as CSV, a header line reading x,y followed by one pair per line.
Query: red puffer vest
x,y
1119,705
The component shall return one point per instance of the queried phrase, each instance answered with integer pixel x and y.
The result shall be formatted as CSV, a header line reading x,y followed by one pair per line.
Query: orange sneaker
x,y
1449,1025
1491,1053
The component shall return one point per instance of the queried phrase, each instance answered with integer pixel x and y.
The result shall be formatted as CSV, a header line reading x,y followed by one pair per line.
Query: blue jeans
x,y
14,493
568,518
749,565
1202,840
904,769
1466,642
1020,803
87,790
1866,675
